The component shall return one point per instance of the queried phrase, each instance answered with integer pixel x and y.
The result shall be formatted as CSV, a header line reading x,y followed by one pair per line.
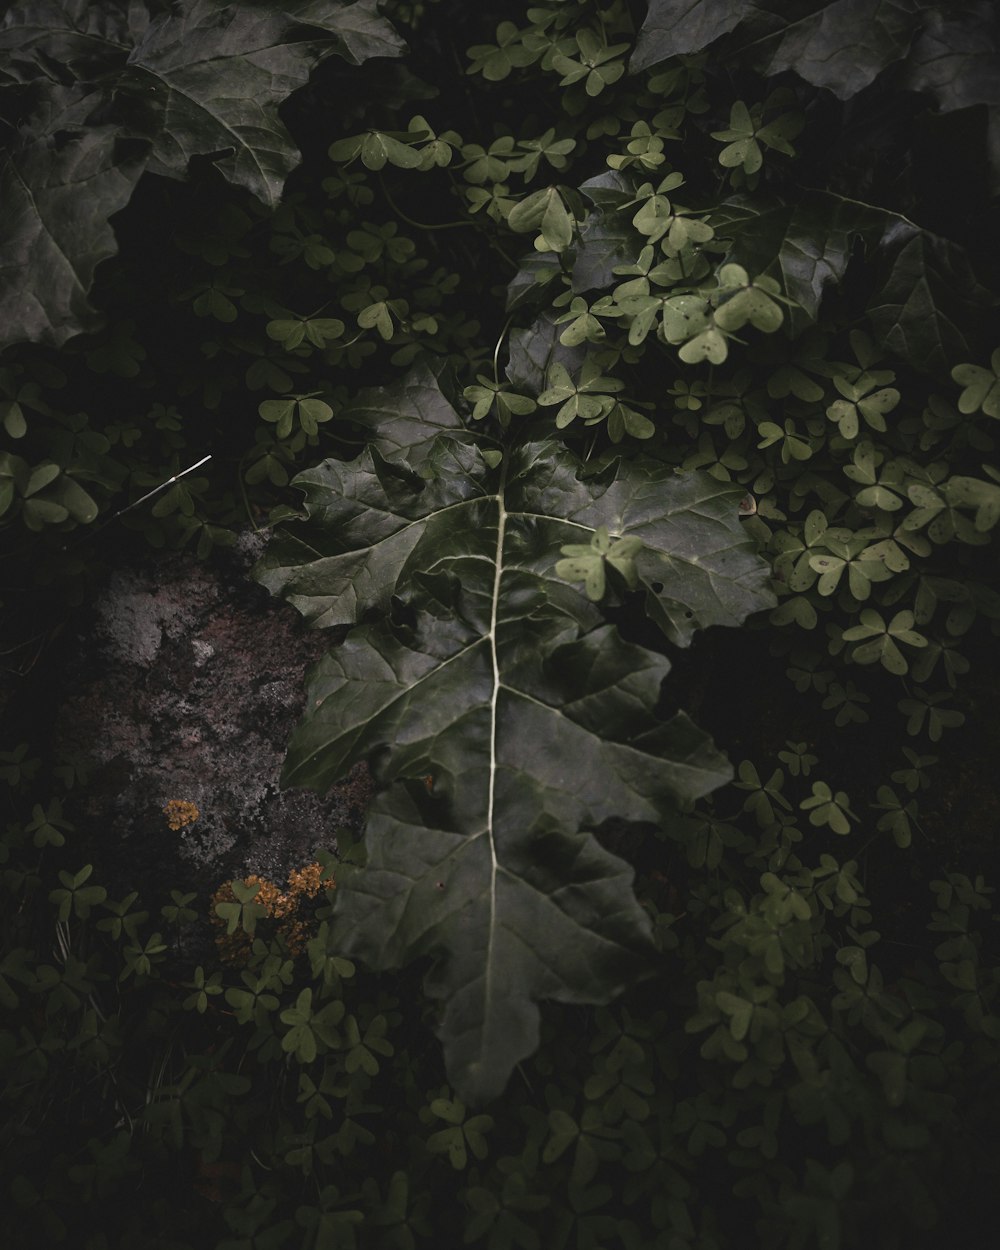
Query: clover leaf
x,y
982,387
587,561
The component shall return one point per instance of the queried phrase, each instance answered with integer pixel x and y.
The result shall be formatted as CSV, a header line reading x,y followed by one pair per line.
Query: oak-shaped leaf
x,y
502,714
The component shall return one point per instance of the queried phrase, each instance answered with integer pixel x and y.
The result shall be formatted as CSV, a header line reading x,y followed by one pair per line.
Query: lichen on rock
x,y
186,684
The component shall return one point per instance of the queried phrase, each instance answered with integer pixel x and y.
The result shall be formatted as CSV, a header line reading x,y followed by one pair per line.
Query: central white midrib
x,y
491,797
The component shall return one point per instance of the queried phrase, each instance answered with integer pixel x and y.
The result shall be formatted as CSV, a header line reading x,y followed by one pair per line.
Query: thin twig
x,y
89,533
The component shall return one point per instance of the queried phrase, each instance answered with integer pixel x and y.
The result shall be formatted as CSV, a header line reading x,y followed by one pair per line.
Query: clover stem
x,y
421,225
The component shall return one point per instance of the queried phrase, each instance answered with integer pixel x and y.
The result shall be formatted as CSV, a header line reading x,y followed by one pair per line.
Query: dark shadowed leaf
x,y
930,309
207,79
197,78
58,188
676,27
403,420
956,59
606,240
89,40
535,271
842,46
805,246
360,33
534,350
503,716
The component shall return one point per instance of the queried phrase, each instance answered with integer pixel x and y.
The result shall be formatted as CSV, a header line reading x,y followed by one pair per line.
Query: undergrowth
x,y
640,246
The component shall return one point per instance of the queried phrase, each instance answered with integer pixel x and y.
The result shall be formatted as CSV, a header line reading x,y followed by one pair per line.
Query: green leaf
x,y
13,419
546,212
478,668
982,387
753,305
77,502
709,345
377,316
379,148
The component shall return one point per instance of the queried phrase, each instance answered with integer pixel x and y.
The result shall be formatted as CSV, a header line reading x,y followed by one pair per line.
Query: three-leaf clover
x,y
828,808
866,397
748,301
877,640
291,332
745,134
982,386
586,562
281,413
926,709
546,212
495,61
596,63
379,147
899,816
495,396
75,897
589,399
462,1134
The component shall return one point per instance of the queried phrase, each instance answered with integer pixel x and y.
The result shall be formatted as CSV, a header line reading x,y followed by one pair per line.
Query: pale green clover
x,y
586,562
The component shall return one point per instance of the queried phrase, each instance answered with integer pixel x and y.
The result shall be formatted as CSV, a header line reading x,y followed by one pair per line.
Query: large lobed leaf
x,y
956,60
200,78
842,46
947,49
805,246
839,44
678,27
503,716
928,306
56,198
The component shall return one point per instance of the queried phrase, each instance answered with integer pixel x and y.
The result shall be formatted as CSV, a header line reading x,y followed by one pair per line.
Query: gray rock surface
x,y
187,684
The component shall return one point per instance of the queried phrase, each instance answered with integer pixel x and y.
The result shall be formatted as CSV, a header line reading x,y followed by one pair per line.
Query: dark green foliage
x,y
143,88
780,1065
658,267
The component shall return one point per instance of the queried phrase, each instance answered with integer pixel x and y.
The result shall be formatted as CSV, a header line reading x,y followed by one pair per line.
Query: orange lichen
x,y
179,812
309,880
282,906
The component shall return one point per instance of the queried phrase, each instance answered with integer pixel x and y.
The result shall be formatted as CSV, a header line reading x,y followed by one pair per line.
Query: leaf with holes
x,y
503,716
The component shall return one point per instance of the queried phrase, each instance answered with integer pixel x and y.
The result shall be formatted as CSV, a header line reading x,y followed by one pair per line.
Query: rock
x,y
186,685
